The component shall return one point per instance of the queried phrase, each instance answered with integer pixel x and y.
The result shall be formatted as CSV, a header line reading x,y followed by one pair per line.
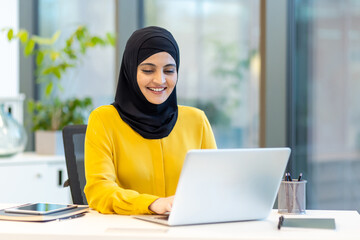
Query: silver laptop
x,y
224,185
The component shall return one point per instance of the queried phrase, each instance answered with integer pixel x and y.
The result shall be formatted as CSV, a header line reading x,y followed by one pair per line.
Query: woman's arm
x,y
208,139
102,191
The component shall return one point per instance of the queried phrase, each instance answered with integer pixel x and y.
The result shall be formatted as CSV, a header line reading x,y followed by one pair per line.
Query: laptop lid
x,y
221,185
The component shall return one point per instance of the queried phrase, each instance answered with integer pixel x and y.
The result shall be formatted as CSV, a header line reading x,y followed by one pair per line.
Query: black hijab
x,y
152,121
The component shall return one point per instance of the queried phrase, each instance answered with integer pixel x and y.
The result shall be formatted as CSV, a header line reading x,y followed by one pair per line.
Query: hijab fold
x,y
151,121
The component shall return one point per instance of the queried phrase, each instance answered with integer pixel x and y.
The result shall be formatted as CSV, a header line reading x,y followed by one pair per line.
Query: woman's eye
x,y
147,71
169,71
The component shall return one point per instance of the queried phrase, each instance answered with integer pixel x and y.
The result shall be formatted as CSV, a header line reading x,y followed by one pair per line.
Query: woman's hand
x,y
162,205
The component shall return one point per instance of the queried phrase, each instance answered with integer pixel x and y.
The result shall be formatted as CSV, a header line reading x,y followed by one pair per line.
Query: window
x,y
219,62
97,73
326,120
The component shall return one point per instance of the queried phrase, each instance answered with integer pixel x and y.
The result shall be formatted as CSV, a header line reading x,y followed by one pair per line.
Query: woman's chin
x,y
157,100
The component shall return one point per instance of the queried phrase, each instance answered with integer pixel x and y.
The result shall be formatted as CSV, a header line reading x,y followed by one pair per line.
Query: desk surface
x,y
31,158
106,227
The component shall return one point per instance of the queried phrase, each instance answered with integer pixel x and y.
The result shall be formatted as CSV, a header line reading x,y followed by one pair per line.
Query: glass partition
x,y
95,76
326,101
219,61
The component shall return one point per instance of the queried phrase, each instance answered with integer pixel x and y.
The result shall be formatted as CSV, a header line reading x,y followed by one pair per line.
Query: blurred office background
x,y
268,73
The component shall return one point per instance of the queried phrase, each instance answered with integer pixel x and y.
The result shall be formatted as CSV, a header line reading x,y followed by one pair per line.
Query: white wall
x,y
9,52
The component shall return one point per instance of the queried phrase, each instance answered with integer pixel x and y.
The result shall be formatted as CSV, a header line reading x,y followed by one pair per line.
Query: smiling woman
x,y
135,148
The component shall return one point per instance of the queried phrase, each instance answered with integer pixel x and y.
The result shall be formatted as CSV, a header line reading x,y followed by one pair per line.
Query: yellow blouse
x,y
125,172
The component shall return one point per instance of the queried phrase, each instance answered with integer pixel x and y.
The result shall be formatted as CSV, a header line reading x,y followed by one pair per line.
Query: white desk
x,y
106,227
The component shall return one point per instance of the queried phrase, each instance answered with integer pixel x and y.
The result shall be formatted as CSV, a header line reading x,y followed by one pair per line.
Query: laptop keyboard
x,y
163,217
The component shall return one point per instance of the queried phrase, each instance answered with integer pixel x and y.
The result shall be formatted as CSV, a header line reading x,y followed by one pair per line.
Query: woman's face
x,y
157,76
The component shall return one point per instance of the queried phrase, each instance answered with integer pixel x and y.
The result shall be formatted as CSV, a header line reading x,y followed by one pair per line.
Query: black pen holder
x,y
292,197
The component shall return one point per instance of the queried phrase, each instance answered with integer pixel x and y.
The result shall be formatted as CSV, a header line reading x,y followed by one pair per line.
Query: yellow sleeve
x,y
208,139
101,190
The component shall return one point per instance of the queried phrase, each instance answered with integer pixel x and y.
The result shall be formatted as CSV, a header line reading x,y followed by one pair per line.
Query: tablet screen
x,y
40,208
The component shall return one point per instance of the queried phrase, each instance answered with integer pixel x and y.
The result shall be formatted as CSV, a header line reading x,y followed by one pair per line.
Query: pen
x,y
289,177
287,190
281,221
300,176
290,199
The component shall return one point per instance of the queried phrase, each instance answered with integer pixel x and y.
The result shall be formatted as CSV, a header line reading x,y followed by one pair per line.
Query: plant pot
x,y
49,142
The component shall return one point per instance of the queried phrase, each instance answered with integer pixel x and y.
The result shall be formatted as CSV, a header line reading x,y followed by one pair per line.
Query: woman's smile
x,y
157,90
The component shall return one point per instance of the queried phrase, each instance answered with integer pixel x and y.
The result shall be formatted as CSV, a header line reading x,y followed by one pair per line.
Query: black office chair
x,y
74,139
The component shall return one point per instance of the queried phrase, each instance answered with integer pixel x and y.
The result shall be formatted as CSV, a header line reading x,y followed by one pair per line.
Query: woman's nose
x,y
159,78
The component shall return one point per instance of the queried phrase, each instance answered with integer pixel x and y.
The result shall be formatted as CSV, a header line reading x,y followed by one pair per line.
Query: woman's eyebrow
x,y
150,64
153,65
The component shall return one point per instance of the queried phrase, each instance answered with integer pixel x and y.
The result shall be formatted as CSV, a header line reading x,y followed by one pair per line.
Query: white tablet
x,y
39,208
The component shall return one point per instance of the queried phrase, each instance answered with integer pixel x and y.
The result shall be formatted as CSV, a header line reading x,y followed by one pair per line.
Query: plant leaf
x,y
96,40
70,52
55,36
49,88
82,48
89,44
69,41
31,106
29,48
47,41
53,70
111,39
54,55
39,57
23,35
10,34
63,66
48,70
80,32
56,72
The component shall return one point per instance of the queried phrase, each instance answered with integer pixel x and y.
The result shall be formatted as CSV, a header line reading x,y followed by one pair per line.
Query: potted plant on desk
x,y
52,113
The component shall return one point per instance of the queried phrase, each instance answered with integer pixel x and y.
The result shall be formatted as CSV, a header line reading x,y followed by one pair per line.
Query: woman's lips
x,y
157,90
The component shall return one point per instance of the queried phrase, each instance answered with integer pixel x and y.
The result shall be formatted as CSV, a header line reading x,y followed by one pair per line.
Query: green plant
x,y
230,69
53,60
57,115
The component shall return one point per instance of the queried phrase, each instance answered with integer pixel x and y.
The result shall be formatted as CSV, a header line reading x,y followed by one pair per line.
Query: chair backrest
x,y
74,140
